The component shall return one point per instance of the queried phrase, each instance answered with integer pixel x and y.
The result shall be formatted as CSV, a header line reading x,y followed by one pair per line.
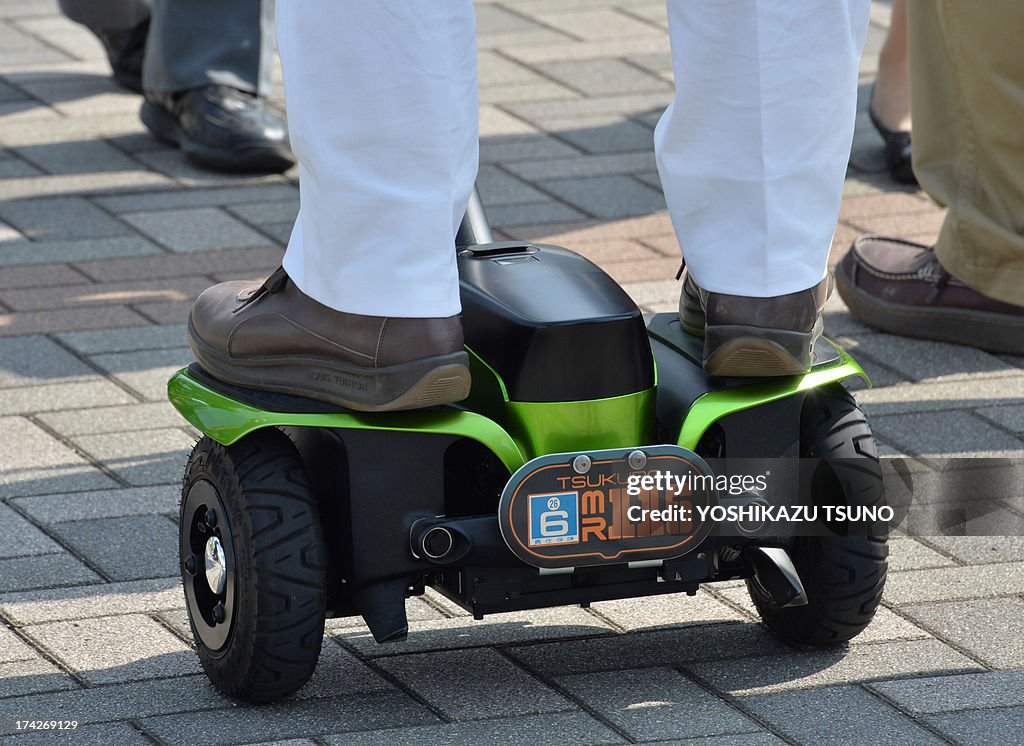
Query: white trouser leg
x,y
753,151
383,118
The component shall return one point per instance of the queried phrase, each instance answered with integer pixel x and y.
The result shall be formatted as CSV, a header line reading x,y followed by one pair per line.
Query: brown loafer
x,y
900,287
754,337
272,337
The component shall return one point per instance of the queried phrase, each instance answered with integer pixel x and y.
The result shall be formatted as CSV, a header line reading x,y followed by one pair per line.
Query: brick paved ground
x,y
106,236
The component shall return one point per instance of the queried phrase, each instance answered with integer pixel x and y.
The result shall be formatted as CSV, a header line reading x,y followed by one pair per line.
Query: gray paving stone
x,y
804,670
672,647
115,649
33,360
126,700
150,416
978,550
608,197
290,719
582,167
921,360
592,137
39,464
63,477
64,218
1010,417
936,400
598,24
538,730
532,214
182,198
500,188
140,596
980,727
146,371
644,104
657,703
474,684
262,213
495,122
838,715
340,674
497,629
195,229
948,693
952,434
126,548
44,571
651,292
671,610
496,70
61,396
28,677
906,553
509,149
87,296
13,254
123,734
953,583
493,19
12,648
15,168
970,625
763,738
19,538
143,457
77,157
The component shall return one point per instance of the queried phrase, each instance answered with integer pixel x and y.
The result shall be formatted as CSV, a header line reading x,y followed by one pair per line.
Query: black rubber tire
x,y
843,575
277,622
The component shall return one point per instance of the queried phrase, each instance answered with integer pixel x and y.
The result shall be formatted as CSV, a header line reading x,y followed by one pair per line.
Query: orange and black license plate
x,y
607,507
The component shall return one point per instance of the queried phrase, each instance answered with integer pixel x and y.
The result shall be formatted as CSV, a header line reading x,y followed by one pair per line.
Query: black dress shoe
x,y
897,150
126,49
221,128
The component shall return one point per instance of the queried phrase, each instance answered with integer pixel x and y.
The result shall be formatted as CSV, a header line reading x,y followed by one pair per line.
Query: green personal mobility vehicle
x,y
525,495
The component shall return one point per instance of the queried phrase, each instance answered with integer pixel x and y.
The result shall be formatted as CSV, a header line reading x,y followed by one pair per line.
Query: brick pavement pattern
x,y
105,238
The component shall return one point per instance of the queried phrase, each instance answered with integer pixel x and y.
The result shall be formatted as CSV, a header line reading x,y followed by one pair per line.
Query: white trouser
x,y
382,110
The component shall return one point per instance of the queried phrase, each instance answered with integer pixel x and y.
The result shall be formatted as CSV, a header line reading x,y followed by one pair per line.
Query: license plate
x,y
607,507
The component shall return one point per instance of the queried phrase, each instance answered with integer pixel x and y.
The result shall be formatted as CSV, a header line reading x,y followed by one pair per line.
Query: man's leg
x,y
109,15
197,43
122,26
967,87
206,75
968,74
382,102
752,156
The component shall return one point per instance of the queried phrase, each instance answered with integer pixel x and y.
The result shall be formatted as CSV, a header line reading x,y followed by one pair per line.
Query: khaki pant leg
x,y
967,72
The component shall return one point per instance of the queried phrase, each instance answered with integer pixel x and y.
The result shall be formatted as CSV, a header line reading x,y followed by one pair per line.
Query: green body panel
x,y
514,431
560,427
227,420
715,405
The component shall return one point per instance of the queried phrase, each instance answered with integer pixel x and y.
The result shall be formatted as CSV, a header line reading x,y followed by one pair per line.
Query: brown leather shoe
x,y
271,336
900,287
754,337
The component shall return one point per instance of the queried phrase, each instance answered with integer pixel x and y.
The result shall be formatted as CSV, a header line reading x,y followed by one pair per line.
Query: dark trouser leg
x,y
196,43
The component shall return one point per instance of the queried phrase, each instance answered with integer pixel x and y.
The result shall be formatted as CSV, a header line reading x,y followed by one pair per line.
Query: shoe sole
x,y
430,382
740,351
988,331
242,160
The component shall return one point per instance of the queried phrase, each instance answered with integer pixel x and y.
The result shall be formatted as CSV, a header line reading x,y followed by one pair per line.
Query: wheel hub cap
x,y
216,565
